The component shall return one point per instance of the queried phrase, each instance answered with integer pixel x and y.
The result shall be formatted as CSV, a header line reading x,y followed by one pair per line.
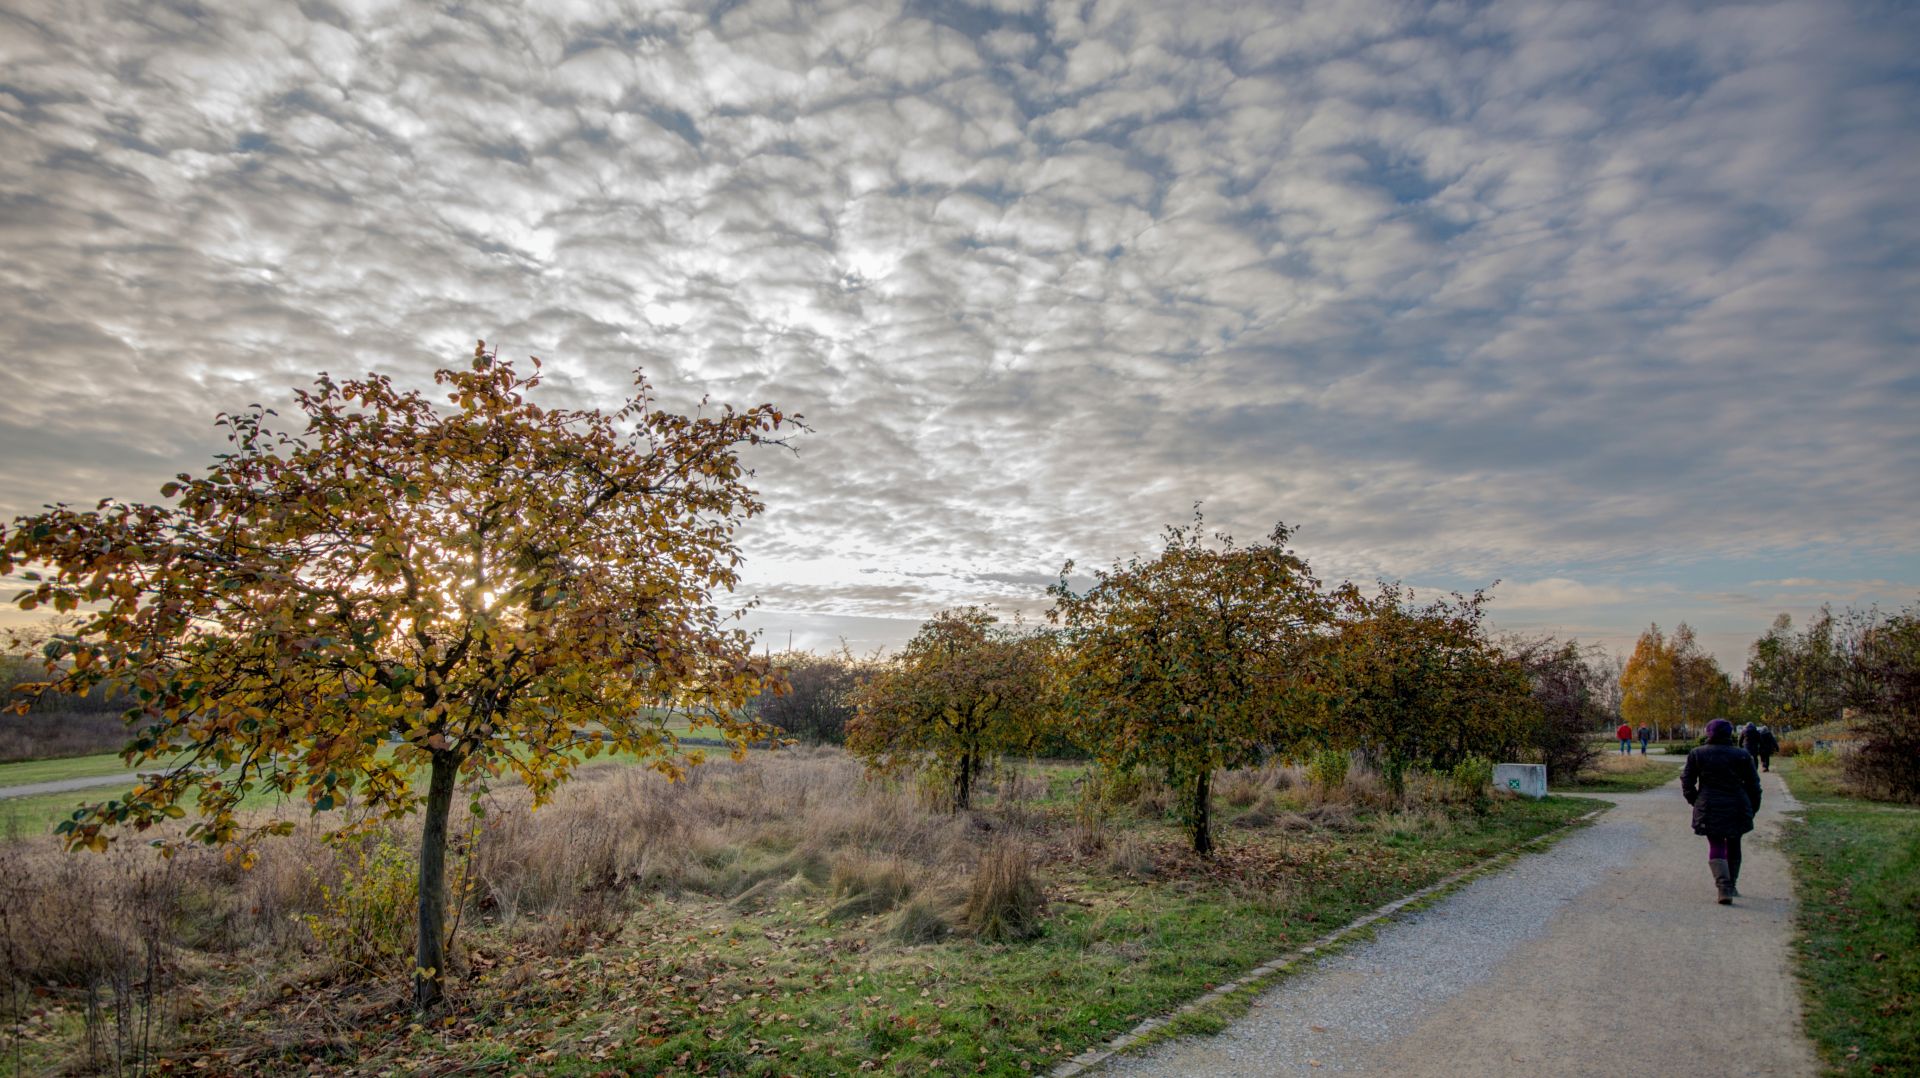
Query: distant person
x,y
1625,734
1720,782
1646,734
1747,734
1764,746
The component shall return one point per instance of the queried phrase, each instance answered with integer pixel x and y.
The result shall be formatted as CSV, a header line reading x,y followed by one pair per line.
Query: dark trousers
x,y
1725,849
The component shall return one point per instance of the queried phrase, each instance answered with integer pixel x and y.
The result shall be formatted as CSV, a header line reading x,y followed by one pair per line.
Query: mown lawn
x,y
1857,878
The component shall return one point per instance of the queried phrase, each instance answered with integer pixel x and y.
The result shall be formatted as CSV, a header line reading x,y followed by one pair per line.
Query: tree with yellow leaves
x,y
500,588
1669,682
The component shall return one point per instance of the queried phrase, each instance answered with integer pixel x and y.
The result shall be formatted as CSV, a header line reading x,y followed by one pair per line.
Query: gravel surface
x,y
60,786
1546,968
1325,1020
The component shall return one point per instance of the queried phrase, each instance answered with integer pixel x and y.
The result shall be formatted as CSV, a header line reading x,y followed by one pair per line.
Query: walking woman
x,y
1720,782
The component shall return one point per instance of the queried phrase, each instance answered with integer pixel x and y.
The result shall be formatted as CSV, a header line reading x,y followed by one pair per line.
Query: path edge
x,y
1261,975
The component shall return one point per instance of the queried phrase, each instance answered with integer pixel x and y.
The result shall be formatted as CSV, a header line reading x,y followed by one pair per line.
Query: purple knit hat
x,y
1719,730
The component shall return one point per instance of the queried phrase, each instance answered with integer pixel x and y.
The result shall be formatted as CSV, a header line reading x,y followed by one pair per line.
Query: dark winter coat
x,y
1723,786
1765,744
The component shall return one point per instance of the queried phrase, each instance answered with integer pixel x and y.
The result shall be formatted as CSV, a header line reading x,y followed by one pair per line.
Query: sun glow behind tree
x,y
503,589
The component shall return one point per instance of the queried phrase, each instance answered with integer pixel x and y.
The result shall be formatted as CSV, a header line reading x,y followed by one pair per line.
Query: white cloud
x,y
1537,291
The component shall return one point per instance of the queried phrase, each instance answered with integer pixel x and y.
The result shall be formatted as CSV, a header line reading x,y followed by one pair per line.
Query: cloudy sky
x,y
1615,303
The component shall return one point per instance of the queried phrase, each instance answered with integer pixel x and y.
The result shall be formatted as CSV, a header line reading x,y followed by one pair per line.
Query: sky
x,y
1612,303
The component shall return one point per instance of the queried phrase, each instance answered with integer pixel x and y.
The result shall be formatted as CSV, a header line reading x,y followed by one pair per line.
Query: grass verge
x,y
777,916
1857,878
1617,774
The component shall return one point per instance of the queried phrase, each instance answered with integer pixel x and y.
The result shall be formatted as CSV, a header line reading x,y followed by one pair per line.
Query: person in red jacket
x,y
1625,734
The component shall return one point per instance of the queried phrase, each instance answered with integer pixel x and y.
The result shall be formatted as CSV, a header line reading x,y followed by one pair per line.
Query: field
x,y
781,915
1857,878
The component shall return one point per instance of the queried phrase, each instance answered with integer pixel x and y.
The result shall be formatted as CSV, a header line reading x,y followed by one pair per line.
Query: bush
x,y
1471,778
1885,761
368,919
819,702
1327,769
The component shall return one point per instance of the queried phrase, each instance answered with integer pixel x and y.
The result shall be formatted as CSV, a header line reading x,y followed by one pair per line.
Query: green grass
x,y
28,772
40,813
1857,878
695,985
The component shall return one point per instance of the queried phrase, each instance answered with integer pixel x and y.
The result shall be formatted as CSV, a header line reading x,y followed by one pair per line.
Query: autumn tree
x,y
500,588
964,690
1799,677
1420,684
1669,682
1189,661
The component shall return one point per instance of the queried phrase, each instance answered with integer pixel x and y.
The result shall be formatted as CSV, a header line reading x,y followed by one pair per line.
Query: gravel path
x,y
61,786
1605,955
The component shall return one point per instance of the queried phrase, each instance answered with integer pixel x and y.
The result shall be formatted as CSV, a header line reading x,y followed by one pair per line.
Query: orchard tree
x,y
498,588
1412,683
1191,661
963,691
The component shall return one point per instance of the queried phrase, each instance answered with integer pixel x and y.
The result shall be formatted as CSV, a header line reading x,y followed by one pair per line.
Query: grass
x,y
1857,878
28,772
39,813
1617,774
751,921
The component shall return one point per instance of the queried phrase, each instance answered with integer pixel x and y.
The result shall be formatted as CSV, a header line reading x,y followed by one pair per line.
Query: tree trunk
x,y
963,795
1201,815
430,955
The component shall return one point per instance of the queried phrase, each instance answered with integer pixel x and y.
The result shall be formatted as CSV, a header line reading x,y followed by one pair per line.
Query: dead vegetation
x,y
285,954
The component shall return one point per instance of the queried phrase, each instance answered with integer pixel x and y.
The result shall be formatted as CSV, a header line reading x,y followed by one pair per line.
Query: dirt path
x,y
1605,955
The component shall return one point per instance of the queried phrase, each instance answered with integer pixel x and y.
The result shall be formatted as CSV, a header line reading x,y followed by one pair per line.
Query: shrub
x,y
1471,777
819,700
1885,761
1004,902
368,917
1327,769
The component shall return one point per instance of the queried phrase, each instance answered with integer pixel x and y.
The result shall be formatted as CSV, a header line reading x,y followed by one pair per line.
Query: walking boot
x,y
1722,880
1733,878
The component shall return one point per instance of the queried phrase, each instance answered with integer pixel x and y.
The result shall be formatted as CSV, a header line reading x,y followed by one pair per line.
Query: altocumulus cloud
x,y
1557,292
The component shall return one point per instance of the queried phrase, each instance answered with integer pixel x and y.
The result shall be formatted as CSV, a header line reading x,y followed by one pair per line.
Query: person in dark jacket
x,y
1764,746
1645,734
1721,783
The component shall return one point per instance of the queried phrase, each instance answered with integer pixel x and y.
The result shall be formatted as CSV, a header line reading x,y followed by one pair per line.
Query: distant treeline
x,y
56,723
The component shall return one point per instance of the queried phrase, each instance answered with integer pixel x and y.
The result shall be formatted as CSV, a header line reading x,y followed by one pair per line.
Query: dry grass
x,y
803,836
1004,901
